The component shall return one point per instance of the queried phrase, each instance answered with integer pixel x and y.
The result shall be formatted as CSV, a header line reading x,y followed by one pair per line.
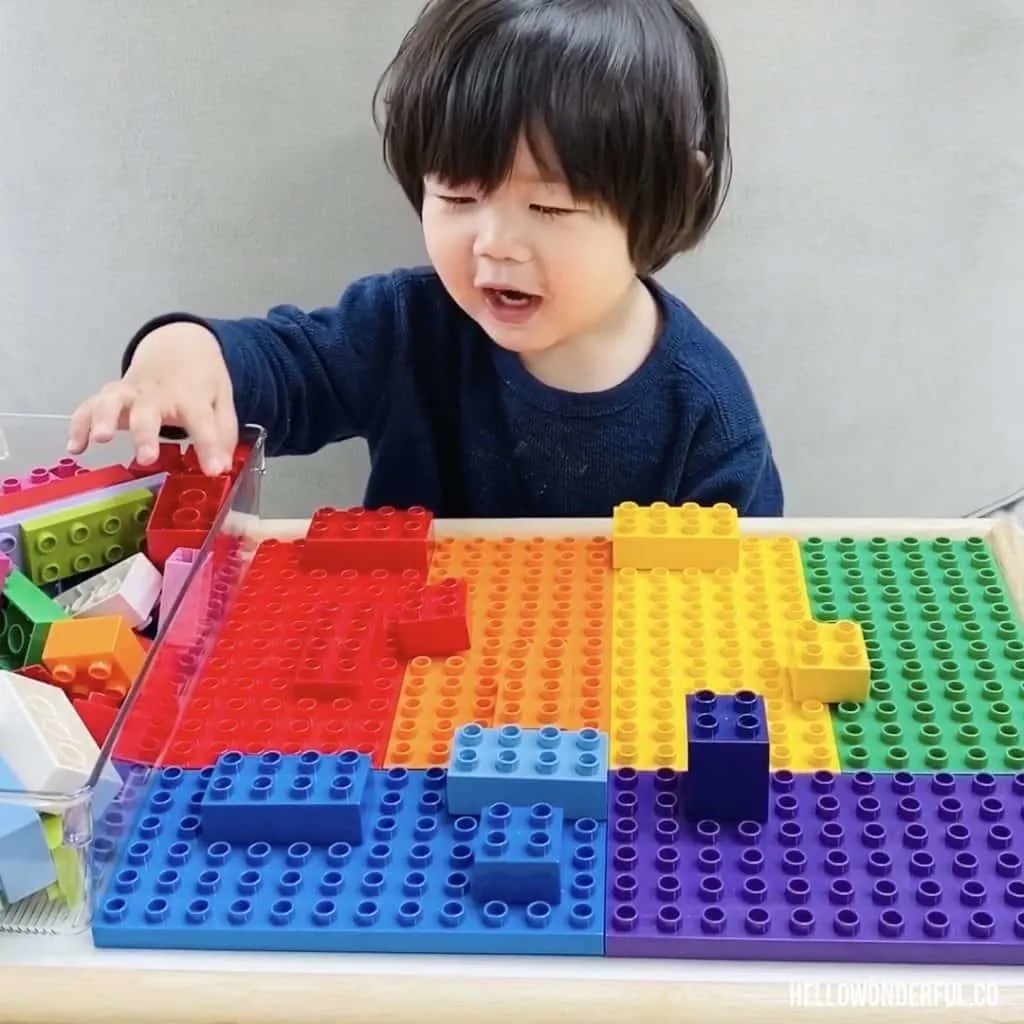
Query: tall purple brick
x,y
860,867
727,757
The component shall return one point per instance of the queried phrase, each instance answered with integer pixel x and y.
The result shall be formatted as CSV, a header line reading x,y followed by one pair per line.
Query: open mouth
x,y
509,304
510,296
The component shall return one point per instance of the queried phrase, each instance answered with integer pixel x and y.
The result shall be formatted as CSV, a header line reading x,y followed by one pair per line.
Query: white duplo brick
x,y
129,589
46,744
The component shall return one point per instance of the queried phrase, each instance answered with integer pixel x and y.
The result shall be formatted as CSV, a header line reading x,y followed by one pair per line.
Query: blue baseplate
x,y
405,890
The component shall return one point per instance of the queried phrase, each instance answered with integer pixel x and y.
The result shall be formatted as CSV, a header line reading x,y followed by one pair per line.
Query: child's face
x,y
529,265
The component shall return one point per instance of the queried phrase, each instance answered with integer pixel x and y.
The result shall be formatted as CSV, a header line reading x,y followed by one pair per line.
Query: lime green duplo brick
x,y
946,650
70,884
87,537
26,614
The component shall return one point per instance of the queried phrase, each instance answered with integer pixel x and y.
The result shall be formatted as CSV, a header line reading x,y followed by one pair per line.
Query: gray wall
x,y
220,157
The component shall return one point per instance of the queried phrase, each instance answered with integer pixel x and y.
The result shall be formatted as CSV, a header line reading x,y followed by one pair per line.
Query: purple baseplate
x,y
858,867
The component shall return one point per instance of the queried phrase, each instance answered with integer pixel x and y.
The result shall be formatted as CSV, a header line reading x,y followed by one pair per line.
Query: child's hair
x,y
619,96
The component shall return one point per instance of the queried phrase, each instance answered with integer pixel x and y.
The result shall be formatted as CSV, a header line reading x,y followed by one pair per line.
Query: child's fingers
x,y
108,408
144,423
80,427
199,420
227,425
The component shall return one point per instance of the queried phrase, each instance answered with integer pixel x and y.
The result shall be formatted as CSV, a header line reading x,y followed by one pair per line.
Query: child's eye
x,y
457,200
550,211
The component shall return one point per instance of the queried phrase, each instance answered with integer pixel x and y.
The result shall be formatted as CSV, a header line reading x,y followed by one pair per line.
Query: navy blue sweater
x,y
458,425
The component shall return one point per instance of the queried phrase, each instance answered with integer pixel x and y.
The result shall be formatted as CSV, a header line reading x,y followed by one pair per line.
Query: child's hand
x,y
177,378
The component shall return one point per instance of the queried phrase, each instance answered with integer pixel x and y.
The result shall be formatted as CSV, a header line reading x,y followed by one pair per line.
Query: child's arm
x,y
307,378
743,474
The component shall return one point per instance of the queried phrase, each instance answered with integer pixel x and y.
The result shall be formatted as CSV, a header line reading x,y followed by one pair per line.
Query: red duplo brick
x,y
434,620
364,539
66,487
190,460
339,653
97,713
184,513
169,460
38,672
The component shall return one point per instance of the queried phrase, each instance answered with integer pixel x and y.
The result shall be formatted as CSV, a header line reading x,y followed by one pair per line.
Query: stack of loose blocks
x,y
81,553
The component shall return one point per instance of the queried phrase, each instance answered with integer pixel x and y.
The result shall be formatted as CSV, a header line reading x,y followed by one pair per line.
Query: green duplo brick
x,y
26,614
946,650
70,884
86,537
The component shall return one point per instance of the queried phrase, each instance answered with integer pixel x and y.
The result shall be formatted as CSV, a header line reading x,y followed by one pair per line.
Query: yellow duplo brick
x,y
828,662
663,536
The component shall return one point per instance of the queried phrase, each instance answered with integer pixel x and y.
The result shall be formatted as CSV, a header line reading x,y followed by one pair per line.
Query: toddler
x,y
558,154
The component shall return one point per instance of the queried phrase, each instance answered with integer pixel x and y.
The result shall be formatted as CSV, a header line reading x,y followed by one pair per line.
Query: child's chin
x,y
520,344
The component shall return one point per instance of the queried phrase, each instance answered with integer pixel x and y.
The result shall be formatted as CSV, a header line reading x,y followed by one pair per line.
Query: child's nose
x,y
499,238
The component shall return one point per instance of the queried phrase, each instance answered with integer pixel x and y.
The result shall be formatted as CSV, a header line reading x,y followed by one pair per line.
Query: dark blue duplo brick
x,y
518,854
727,757
317,798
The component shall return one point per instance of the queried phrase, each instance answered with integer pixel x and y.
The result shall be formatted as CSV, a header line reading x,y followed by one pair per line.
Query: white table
x,y
64,980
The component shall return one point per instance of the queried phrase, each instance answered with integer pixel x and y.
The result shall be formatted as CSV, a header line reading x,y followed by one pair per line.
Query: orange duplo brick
x,y
540,613
98,655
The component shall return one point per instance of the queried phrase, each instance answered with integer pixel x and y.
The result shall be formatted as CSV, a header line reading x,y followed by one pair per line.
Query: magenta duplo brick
x,y
856,867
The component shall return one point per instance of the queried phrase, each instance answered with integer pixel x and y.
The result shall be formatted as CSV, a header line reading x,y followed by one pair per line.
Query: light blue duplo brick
x,y
563,768
26,866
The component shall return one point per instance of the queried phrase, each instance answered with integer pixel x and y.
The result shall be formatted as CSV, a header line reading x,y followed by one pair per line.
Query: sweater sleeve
x,y
308,378
743,474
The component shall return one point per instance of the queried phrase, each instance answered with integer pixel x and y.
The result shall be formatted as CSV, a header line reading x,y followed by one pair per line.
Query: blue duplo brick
x,y
727,755
407,889
26,866
520,767
276,798
518,854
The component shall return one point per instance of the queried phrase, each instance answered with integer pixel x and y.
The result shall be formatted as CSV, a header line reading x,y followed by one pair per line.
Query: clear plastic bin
x,y
33,444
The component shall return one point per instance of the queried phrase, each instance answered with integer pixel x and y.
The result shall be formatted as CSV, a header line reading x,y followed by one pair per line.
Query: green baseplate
x,y
946,649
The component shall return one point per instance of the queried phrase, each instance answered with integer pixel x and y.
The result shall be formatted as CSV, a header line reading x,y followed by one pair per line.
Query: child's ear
x,y
700,168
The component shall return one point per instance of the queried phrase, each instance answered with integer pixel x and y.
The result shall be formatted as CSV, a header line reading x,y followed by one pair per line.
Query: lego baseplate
x,y
894,842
